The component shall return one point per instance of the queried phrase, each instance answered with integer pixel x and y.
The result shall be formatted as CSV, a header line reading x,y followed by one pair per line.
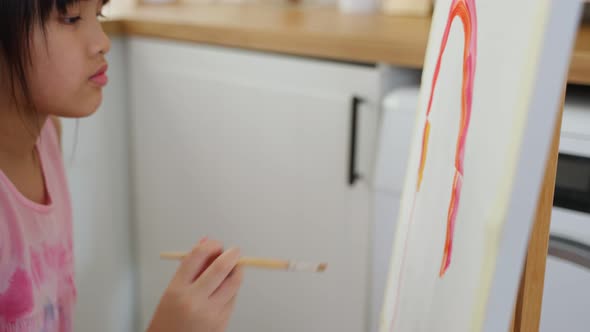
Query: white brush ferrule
x,y
302,267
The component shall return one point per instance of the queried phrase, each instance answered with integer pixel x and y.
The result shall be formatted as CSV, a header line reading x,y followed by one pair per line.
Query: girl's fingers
x,y
217,272
197,260
229,288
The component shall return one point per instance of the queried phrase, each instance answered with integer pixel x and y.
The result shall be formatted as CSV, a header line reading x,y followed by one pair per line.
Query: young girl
x,y
52,64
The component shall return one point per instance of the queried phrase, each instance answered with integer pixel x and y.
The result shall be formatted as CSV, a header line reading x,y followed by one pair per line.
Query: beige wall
x,y
117,7
285,2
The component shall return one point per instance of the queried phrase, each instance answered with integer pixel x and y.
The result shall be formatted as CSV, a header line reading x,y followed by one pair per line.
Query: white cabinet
x,y
253,149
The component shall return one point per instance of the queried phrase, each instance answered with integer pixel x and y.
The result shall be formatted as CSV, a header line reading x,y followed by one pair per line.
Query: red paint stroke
x,y
466,11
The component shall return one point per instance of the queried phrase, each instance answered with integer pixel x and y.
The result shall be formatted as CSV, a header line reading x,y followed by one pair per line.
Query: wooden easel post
x,y
527,313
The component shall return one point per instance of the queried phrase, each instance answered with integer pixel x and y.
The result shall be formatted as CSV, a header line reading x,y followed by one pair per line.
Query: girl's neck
x,y
19,132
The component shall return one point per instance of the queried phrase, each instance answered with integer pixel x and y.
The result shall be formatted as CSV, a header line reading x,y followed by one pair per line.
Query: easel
x,y
527,312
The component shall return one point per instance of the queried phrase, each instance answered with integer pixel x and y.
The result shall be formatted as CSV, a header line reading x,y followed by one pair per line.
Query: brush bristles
x,y
307,267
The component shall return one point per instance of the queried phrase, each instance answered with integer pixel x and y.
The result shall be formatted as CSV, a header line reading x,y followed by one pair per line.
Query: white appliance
x,y
566,299
399,113
567,284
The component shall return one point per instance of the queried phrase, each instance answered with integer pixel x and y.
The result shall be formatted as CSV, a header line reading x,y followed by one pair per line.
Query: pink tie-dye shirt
x,y
37,291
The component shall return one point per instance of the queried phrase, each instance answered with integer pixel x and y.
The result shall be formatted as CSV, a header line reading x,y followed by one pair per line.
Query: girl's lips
x,y
100,78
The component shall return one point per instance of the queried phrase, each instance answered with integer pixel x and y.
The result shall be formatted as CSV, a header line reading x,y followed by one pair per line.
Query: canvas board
x,y
491,87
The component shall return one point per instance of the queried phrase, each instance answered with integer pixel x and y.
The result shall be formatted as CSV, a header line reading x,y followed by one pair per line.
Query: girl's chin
x,y
84,109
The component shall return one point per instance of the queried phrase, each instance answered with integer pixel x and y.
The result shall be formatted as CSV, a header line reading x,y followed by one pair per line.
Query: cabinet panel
x,y
257,163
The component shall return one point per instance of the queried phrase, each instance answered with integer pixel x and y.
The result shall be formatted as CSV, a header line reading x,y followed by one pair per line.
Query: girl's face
x,y
68,68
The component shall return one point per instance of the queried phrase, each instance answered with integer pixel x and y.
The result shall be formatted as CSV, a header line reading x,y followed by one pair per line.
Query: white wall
x,y
99,183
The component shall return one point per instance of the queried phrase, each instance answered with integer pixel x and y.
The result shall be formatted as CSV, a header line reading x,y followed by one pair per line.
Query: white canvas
x,y
493,109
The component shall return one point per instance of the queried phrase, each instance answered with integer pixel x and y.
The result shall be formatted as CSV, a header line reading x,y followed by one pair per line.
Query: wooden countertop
x,y
308,31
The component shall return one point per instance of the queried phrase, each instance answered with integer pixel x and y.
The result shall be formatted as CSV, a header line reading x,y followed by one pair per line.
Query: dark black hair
x,y
17,21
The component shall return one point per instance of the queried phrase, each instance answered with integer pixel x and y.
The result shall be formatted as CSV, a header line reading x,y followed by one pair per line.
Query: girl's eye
x,y
71,20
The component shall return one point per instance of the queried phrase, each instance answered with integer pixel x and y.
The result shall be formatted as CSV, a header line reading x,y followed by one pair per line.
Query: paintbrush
x,y
263,263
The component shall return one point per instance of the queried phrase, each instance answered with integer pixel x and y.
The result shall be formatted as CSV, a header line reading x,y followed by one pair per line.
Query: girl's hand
x,y
202,294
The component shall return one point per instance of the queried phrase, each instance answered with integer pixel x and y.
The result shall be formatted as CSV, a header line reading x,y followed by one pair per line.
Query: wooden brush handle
x,y
264,263
261,263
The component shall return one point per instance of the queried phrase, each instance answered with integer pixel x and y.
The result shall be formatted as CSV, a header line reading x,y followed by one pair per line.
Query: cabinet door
x,y
253,150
